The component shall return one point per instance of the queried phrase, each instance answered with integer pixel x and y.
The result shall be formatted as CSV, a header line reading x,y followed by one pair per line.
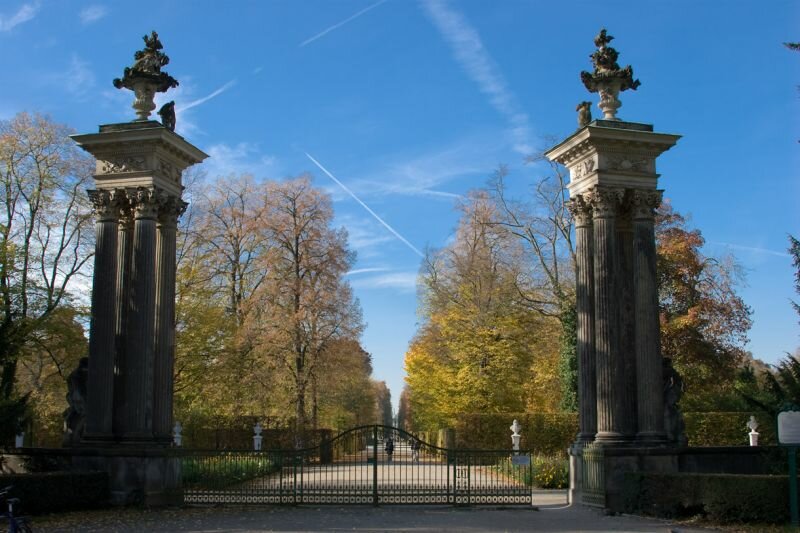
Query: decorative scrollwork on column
x,y
144,201
581,211
105,204
605,201
170,209
644,203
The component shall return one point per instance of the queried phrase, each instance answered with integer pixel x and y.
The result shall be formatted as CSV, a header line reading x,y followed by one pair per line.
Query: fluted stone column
x,y
627,345
605,203
584,300
165,318
102,328
648,348
139,353
123,281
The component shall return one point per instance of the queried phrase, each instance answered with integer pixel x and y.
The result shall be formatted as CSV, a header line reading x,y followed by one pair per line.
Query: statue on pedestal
x,y
584,110
75,414
673,418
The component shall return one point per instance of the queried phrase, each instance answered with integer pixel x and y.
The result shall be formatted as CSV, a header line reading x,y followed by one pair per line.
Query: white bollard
x,y
19,440
177,438
753,425
257,436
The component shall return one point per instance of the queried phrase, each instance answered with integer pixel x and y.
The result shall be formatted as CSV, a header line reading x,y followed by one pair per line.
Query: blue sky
x,y
411,104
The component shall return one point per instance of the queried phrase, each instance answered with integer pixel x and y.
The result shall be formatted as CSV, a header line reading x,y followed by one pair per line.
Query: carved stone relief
x,y
123,164
629,163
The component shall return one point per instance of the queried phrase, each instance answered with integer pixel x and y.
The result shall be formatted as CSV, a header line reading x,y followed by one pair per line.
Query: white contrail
x,y
365,206
209,97
342,23
753,249
469,52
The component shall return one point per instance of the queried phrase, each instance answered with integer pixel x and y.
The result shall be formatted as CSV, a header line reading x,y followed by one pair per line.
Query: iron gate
x,y
355,468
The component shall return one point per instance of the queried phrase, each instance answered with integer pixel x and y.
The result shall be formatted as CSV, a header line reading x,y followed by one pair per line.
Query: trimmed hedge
x,y
550,433
58,491
545,433
727,429
723,498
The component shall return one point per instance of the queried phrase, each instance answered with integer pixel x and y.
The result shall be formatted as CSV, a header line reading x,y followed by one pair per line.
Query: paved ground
x,y
551,514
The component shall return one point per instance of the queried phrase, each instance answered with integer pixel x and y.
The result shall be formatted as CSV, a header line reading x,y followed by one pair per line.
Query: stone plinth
x,y
613,195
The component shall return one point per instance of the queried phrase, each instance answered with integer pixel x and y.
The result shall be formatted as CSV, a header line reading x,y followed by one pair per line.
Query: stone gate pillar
x,y
612,167
137,198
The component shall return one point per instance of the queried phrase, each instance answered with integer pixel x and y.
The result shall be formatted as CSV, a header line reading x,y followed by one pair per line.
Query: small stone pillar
x,y
257,438
515,435
137,199
752,425
177,435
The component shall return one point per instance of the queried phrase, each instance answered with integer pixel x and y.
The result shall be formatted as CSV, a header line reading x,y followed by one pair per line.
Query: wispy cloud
x,y
366,270
204,99
441,173
473,57
365,206
404,281
244,157
342,23
25,13
92,13
752,249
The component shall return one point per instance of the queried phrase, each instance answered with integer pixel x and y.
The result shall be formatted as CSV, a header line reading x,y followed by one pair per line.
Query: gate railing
x,y
356,467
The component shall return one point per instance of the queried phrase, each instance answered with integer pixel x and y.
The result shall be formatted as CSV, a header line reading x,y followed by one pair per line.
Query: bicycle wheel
x,y
23,526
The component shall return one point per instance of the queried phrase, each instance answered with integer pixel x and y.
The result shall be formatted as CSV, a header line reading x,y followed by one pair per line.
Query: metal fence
x,y
365,465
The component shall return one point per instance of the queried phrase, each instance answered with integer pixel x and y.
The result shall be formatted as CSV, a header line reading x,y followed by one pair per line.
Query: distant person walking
x,y
389,447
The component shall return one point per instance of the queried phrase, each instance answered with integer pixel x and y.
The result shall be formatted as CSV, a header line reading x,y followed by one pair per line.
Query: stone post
x,y
102,335
610,365
168,214
584,301
648,345
141,324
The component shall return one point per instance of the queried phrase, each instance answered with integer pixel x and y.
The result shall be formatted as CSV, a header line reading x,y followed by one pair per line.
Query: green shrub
x,y
225,469
545,472
58,491
722,498
550,472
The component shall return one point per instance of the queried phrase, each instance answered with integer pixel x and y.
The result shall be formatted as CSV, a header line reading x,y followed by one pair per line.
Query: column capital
x,y
605,201
644,202
105,204
170,209
581,211
144,201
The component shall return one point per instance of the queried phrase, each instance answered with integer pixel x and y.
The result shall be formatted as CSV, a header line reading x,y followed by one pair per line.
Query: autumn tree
x,y
704,322
383,401
45,242
404,419
476,348
222,261
343,393
543,226
304,303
